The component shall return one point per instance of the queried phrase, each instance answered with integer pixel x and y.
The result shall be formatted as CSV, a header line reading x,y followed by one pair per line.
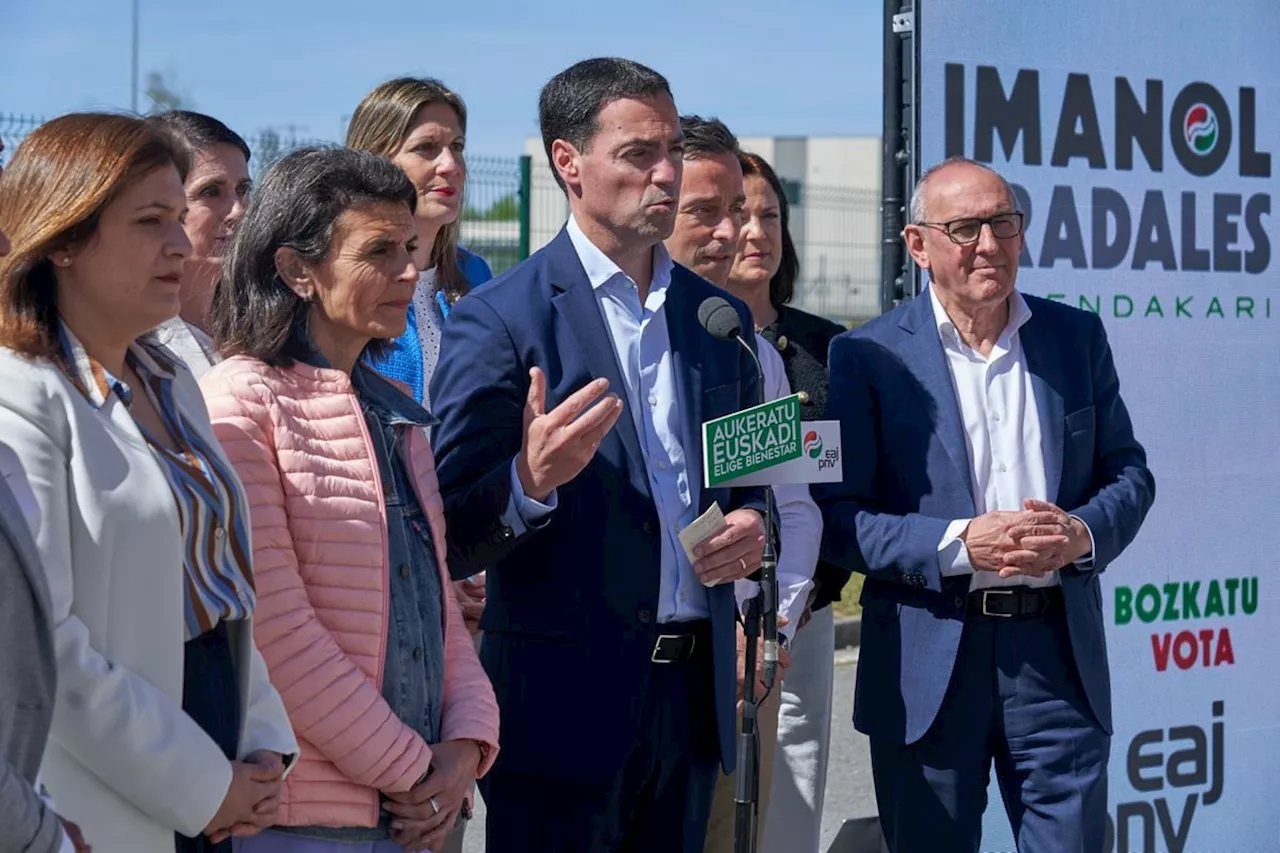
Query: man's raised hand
x,y
558,444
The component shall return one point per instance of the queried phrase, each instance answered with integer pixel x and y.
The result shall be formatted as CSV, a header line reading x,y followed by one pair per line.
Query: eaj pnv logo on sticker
x,y
751,440
813,444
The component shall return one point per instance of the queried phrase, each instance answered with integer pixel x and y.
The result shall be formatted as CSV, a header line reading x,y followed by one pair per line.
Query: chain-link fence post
x,y
526,203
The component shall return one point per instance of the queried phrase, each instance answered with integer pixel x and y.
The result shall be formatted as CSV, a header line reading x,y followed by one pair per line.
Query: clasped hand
x,y
252,802
424,815
470,594
1030,543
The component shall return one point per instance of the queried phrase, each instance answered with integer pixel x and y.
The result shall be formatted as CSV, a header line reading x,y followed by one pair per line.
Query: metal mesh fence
x,y
513,206
12,130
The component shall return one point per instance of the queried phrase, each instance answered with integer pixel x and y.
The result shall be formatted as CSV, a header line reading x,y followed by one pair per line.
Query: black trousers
x,y
661,799
211,697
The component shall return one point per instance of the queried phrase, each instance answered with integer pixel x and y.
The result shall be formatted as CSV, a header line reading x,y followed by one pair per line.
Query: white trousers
x,y
794,822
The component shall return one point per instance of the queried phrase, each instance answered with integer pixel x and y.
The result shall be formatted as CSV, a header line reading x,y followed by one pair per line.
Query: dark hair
x,y
382,122
296,205
571,101
782,287
61,178
707,137
198,132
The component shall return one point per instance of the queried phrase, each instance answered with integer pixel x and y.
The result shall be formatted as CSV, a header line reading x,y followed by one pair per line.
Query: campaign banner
x,y
1141,140
752,440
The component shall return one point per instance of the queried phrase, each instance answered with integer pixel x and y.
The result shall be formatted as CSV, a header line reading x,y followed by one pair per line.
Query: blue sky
x,y
766,67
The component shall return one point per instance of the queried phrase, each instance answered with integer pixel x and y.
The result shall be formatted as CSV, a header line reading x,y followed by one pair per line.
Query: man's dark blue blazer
x,y
906,477
571,617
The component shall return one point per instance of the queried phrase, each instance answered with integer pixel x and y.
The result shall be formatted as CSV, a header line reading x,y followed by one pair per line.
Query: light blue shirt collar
x,y
601,269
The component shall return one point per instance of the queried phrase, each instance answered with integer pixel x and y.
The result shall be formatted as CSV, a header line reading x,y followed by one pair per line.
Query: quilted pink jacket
x,y
299,442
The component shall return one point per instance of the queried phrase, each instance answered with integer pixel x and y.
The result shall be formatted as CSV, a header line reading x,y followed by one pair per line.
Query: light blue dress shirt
x,y
643,347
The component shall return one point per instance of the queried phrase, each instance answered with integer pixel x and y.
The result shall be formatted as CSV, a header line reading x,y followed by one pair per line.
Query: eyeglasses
x,y
968,230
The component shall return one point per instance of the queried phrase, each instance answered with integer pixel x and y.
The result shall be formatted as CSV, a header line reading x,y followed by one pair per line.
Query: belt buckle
x,y
653,658
989,592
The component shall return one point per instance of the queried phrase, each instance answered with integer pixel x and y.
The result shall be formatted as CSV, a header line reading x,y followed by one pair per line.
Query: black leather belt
x,y
679,642
1013,602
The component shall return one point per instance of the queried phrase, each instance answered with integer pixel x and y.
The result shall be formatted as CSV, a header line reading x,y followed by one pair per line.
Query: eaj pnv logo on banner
x,y
1175,771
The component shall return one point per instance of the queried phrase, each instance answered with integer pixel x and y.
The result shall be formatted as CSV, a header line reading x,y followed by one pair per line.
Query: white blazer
x,y
123,761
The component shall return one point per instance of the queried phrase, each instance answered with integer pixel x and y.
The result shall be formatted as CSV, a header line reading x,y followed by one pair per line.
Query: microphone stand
x,y
762,608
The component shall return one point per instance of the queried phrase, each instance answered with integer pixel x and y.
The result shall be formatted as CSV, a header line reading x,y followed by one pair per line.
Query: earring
x,y
63,260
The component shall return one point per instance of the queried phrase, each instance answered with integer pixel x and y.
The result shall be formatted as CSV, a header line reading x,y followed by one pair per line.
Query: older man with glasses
x,y
995,477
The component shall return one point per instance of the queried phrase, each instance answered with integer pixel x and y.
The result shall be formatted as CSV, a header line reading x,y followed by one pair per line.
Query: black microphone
x,y
722,322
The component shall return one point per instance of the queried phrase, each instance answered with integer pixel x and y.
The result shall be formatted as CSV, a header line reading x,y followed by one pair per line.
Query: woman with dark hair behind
x,y
217,188
382,683
165,721
764,276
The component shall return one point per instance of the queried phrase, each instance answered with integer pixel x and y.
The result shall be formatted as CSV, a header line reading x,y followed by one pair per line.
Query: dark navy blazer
x,y
570,622
906,477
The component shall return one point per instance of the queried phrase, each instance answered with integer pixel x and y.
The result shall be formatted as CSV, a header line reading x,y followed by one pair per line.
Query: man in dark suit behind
x,y
612,654
994,476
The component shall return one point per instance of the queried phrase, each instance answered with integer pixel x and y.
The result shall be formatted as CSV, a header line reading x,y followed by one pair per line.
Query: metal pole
x,y
761,618
133,76
892,203
746,796
526,203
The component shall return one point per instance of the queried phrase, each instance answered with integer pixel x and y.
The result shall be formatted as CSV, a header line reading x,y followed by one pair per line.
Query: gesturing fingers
x,y
537,399
569,409
595,423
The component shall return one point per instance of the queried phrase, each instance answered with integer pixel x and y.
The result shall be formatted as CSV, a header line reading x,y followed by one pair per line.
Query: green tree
x,y
505,209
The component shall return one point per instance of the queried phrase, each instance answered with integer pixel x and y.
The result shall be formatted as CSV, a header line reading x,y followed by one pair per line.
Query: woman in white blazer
x,y
167,734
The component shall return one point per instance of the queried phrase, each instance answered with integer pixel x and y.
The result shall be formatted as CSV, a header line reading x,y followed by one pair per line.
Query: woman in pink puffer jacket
x,y
394,715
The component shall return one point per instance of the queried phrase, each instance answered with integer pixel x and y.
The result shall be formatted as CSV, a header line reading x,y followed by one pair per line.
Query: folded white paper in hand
x,y
703,528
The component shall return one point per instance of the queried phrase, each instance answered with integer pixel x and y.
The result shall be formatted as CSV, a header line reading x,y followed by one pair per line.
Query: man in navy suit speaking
x,y
992,476
571,393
